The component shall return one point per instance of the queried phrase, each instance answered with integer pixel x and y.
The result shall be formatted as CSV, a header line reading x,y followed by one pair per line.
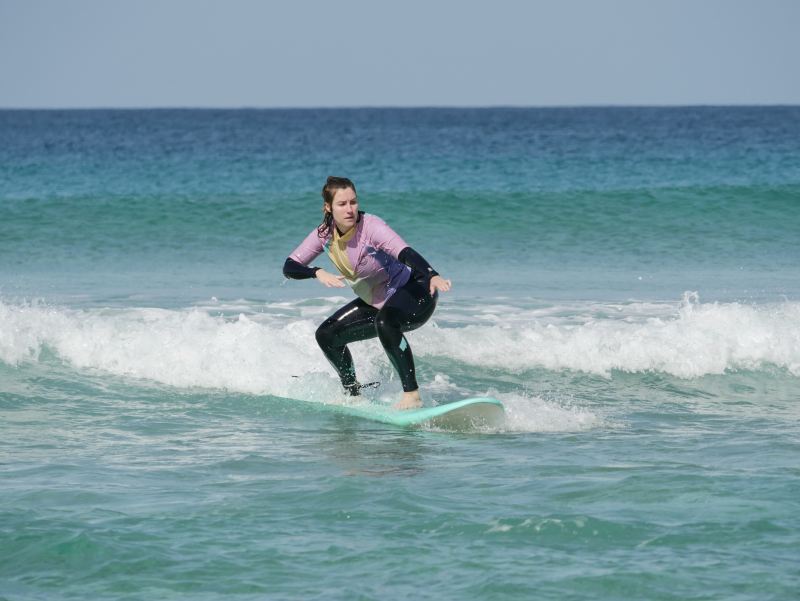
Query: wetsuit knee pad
x,y
325,335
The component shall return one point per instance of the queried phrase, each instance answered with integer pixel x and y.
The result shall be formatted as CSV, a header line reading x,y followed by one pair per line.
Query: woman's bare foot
x,y
410,400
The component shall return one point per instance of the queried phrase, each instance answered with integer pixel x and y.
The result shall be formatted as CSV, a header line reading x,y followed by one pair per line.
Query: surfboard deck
x,y
466,414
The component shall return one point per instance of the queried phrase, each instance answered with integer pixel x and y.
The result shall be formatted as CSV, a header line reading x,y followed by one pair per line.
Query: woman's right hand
x,y
329,280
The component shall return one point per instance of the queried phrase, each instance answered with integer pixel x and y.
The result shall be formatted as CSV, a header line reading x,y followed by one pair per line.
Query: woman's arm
x,y
420,266
387,239
297,271
296,265
416,262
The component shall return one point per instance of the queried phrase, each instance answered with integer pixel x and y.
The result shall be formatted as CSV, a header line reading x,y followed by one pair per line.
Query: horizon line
x,y
396,107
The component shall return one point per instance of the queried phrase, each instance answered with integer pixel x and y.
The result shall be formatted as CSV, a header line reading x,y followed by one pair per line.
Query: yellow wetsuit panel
x,y
337,251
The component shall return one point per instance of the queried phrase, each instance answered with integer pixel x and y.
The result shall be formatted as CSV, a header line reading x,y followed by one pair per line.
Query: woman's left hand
x,y
440,284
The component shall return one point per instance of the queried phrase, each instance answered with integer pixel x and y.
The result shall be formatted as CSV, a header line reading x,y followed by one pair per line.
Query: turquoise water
x,y
626,282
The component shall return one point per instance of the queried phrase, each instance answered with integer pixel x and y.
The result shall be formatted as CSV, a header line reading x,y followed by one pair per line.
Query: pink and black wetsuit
x,y
391,280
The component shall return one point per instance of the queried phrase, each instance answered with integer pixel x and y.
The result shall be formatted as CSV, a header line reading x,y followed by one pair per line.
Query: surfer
x,y
397,289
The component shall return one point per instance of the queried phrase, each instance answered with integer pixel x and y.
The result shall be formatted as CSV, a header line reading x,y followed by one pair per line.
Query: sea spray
x,y
696,340
264,353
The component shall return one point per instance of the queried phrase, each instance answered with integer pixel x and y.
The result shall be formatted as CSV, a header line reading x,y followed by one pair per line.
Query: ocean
x,y
625,280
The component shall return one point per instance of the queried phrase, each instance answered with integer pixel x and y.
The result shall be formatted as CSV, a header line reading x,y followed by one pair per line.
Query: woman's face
x,y
345,209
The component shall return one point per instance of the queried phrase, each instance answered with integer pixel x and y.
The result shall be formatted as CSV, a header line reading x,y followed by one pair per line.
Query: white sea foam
x,y
252,353
689,339
260,351
533,414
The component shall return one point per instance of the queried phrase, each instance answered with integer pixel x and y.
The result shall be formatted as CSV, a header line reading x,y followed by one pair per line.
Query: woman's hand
x,y
440,284
329,280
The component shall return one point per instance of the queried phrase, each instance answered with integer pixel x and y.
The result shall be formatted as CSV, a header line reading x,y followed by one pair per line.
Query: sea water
x,y
625,280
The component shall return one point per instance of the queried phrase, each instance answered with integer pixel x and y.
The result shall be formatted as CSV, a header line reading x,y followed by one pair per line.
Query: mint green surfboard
x,y
466,414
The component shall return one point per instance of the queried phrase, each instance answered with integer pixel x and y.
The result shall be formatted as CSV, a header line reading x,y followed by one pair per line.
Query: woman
x,y
397,289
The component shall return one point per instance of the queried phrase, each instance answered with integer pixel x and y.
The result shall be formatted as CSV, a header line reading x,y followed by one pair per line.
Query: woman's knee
x,y
325,335
387,327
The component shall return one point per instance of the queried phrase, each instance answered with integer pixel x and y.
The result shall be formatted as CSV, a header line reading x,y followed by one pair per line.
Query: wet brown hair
x,y
332,185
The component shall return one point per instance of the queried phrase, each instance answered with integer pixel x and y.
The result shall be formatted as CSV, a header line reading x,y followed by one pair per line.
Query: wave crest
x,y
696,340
260,352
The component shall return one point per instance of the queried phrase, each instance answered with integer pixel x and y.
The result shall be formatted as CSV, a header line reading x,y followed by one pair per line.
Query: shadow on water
x,y
366,450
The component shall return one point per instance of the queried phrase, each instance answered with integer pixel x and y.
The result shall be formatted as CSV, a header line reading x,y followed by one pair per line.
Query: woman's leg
x,y
407,309
355,321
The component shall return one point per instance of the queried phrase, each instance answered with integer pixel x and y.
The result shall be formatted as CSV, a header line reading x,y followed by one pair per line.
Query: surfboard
x,y
466,414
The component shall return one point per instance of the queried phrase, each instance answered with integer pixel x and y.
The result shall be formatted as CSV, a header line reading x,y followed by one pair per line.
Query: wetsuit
x,y
392,282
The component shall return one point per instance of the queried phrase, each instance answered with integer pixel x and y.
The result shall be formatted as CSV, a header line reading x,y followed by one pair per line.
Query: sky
x,y
356,53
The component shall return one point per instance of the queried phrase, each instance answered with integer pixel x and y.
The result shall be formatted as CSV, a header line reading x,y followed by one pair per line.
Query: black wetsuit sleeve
x,y
297,271
417,263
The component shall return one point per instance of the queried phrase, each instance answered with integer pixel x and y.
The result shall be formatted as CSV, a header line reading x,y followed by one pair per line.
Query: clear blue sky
x,y
302,53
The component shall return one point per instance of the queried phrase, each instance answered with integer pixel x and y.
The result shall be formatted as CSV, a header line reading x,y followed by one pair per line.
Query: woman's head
x,y
339,205
333,185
